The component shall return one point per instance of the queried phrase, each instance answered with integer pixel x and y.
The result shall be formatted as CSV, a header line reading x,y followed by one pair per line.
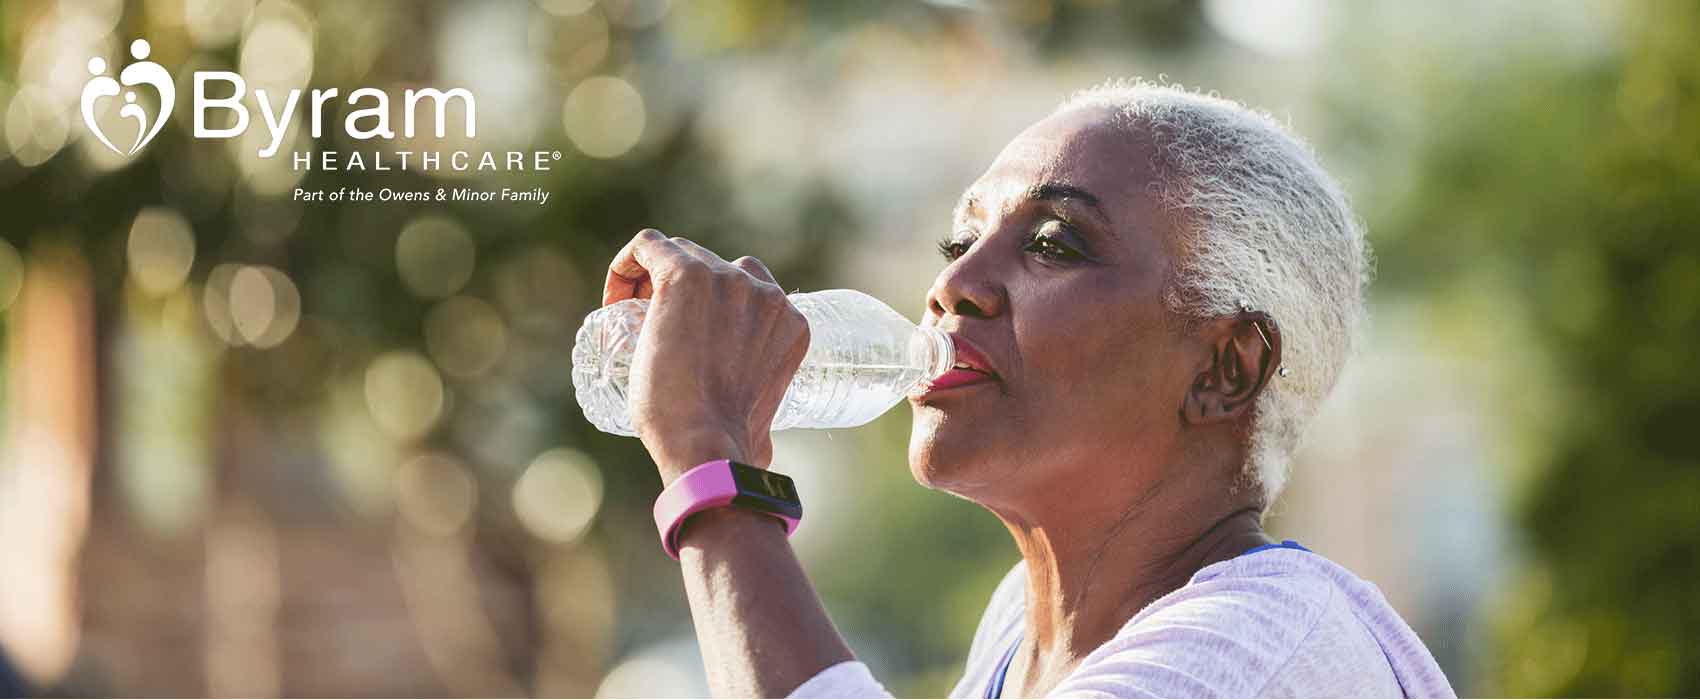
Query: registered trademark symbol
x,y
556,155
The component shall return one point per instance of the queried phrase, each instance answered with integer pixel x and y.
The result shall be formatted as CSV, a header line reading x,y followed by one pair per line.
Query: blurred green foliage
x,y
1576,190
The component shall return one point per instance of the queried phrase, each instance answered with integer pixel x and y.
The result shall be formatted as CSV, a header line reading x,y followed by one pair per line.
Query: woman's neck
x,y
1089,572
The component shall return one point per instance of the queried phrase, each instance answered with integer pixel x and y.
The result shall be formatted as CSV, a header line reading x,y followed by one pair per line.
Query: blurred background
x,y
251,446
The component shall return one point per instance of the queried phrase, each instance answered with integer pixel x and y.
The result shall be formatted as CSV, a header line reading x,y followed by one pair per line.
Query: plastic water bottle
x,y
863,358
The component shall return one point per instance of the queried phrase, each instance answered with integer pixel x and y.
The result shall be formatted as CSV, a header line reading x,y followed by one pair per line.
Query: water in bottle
x,y
863,358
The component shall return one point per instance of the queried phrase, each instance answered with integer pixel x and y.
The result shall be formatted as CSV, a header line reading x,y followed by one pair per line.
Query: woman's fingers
x,y
652,256
755,268
691,248
748,265
648,257
626,276
618,288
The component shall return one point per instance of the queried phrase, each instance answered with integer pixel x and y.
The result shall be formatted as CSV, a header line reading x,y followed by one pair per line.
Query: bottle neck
x,y
940,352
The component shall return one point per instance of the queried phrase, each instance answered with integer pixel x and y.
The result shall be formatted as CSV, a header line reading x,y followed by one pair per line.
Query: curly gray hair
x,y
1268,226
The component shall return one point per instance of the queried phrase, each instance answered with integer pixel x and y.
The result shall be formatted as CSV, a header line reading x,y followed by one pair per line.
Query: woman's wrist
x,y
679,452
717,527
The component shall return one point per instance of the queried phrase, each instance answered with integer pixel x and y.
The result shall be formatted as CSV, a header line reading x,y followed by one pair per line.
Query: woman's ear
x,y
1245,353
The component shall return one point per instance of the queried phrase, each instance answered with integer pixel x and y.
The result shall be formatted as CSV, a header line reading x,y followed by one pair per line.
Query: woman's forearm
x,y
761,626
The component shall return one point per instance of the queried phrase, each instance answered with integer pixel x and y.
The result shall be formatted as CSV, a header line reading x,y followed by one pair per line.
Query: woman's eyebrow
x,y
1049,191
1053,191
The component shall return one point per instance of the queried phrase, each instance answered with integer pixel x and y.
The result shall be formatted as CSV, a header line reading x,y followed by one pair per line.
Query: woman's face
x,y
1056,262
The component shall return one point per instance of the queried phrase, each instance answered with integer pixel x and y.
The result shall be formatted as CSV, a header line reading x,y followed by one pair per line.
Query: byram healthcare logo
x,y
144,72
367,116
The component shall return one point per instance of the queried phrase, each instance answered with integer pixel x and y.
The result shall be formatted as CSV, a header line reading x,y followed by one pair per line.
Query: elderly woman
x,y
1152,290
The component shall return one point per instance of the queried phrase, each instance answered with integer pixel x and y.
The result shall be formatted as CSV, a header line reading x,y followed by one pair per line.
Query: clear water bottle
x,y
863,358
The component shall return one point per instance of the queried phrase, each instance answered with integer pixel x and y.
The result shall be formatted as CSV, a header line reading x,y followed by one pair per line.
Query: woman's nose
x,y
964,288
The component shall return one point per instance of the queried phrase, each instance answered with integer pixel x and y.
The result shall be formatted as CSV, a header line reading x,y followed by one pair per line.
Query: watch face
x,y
765,490
751,480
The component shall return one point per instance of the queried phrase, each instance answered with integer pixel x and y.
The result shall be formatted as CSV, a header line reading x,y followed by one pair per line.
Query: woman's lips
x,y
971,368
957,377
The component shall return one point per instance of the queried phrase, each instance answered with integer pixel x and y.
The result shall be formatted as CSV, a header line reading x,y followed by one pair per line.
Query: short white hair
x,y
1267,226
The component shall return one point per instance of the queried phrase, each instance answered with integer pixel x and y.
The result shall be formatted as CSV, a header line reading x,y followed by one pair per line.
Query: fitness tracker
x,y
724,482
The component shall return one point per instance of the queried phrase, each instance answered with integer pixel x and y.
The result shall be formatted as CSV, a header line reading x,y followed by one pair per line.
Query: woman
x,y
1150,291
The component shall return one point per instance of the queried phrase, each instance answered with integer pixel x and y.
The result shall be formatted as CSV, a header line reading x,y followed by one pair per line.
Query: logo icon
x,y
142,72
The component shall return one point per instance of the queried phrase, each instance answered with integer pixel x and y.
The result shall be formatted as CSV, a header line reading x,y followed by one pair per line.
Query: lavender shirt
x,y
1277,622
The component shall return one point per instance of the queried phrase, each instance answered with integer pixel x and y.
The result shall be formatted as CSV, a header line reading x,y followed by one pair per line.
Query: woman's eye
x,y
953,248
1045,242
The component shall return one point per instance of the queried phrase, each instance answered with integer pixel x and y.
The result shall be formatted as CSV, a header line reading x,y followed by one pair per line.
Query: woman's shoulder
x,y
1282,587
1257,608
1260,605
1277,621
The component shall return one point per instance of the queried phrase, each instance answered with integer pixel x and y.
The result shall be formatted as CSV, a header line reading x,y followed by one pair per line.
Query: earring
x,y
1245,307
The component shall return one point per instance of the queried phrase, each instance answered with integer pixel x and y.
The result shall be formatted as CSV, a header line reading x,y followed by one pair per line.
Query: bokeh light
x,y
604,116
404,394
36,128
264,305
251,305
215,23
435,256
435,494
56,50
574,45
277,51
215,303
161,250
558,495
466,336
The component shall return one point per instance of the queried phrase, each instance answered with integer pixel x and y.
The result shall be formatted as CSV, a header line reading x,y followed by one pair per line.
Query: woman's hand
x,y
718,349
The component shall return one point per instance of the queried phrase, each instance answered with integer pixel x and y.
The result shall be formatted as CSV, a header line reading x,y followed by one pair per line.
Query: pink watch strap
x,y
708,485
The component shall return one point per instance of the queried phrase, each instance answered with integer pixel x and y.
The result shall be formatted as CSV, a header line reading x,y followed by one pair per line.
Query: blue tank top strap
x,y
994,687
1284,544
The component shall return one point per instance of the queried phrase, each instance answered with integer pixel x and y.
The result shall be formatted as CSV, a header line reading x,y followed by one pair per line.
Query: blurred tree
x,y
1575,191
